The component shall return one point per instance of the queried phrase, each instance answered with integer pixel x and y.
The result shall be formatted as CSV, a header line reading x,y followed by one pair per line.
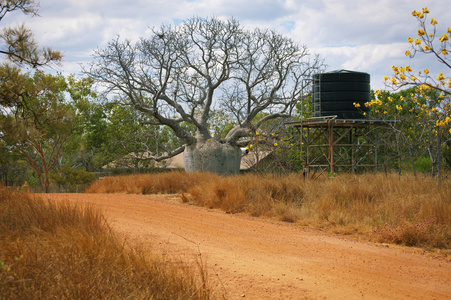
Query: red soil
x,y
262,259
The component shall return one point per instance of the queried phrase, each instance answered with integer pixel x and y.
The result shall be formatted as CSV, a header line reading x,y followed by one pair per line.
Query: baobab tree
x,y
180,74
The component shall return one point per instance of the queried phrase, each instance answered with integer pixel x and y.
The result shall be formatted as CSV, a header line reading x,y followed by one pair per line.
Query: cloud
x,y
367,36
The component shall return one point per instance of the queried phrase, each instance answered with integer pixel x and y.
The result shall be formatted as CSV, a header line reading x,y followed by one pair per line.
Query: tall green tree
x,y
38,128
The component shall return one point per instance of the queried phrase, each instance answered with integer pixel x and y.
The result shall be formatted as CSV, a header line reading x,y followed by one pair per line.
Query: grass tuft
x,y
65,252
160,183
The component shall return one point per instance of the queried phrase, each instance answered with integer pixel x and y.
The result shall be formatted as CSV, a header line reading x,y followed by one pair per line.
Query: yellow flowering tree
x,y
427,107
428,41
416,131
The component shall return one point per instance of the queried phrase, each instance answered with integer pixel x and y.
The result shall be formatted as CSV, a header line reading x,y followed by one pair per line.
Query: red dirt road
x,y
260,259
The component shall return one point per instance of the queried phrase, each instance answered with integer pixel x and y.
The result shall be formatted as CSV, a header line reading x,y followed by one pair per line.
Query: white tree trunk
x,y
212,156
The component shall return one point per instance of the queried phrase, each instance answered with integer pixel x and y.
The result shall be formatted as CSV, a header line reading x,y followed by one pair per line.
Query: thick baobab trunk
x,y
212,156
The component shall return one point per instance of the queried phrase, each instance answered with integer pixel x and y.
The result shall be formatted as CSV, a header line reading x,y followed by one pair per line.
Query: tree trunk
x,y
212,156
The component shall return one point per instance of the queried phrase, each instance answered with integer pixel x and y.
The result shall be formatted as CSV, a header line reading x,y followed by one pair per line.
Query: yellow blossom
x,y
448,30
385,78
443,38
440,76
393,80
398,107
421,32
431,35
413,78
257,133
426,48
402,77
251,146
420,15
407,53
356,104
417,42
378,93
275,145
425,10
426,71
408,68
434,21
445,52
409,40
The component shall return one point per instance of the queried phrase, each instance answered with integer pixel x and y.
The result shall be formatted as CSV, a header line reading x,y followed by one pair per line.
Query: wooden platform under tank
x,y
330,145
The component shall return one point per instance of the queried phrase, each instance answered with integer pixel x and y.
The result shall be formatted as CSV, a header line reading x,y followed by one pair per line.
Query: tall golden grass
x,y
53,251
159,183
383,208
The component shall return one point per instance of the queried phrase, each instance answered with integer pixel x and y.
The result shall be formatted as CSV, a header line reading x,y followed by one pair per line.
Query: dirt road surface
x,y
254,258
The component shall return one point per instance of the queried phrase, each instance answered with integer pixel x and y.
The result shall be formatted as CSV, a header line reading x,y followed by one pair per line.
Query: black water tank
x,y
334,93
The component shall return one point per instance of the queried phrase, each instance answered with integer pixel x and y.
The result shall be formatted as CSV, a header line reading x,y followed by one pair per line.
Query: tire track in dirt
x,y
263,259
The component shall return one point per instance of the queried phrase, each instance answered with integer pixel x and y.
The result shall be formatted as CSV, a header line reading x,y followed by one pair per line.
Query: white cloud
x,y
368,36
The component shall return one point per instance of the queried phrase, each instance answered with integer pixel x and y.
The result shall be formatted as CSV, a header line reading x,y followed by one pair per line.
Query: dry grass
x,y
384,208
160,183
64,252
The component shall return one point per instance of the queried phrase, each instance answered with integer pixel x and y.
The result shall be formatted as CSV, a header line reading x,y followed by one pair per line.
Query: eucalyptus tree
x,y
37,130
180,74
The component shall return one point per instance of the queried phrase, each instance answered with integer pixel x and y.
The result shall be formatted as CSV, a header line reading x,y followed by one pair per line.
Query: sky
x,y
357,35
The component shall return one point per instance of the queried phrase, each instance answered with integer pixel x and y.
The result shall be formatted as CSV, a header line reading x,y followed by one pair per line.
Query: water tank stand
x,y
330,145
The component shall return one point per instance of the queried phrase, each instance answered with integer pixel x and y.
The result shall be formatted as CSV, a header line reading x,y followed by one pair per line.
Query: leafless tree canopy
x,y
180,73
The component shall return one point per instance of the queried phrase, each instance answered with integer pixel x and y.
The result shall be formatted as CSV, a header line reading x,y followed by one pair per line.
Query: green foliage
x,y
423,164
36,122
68,177
304,108
418,113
